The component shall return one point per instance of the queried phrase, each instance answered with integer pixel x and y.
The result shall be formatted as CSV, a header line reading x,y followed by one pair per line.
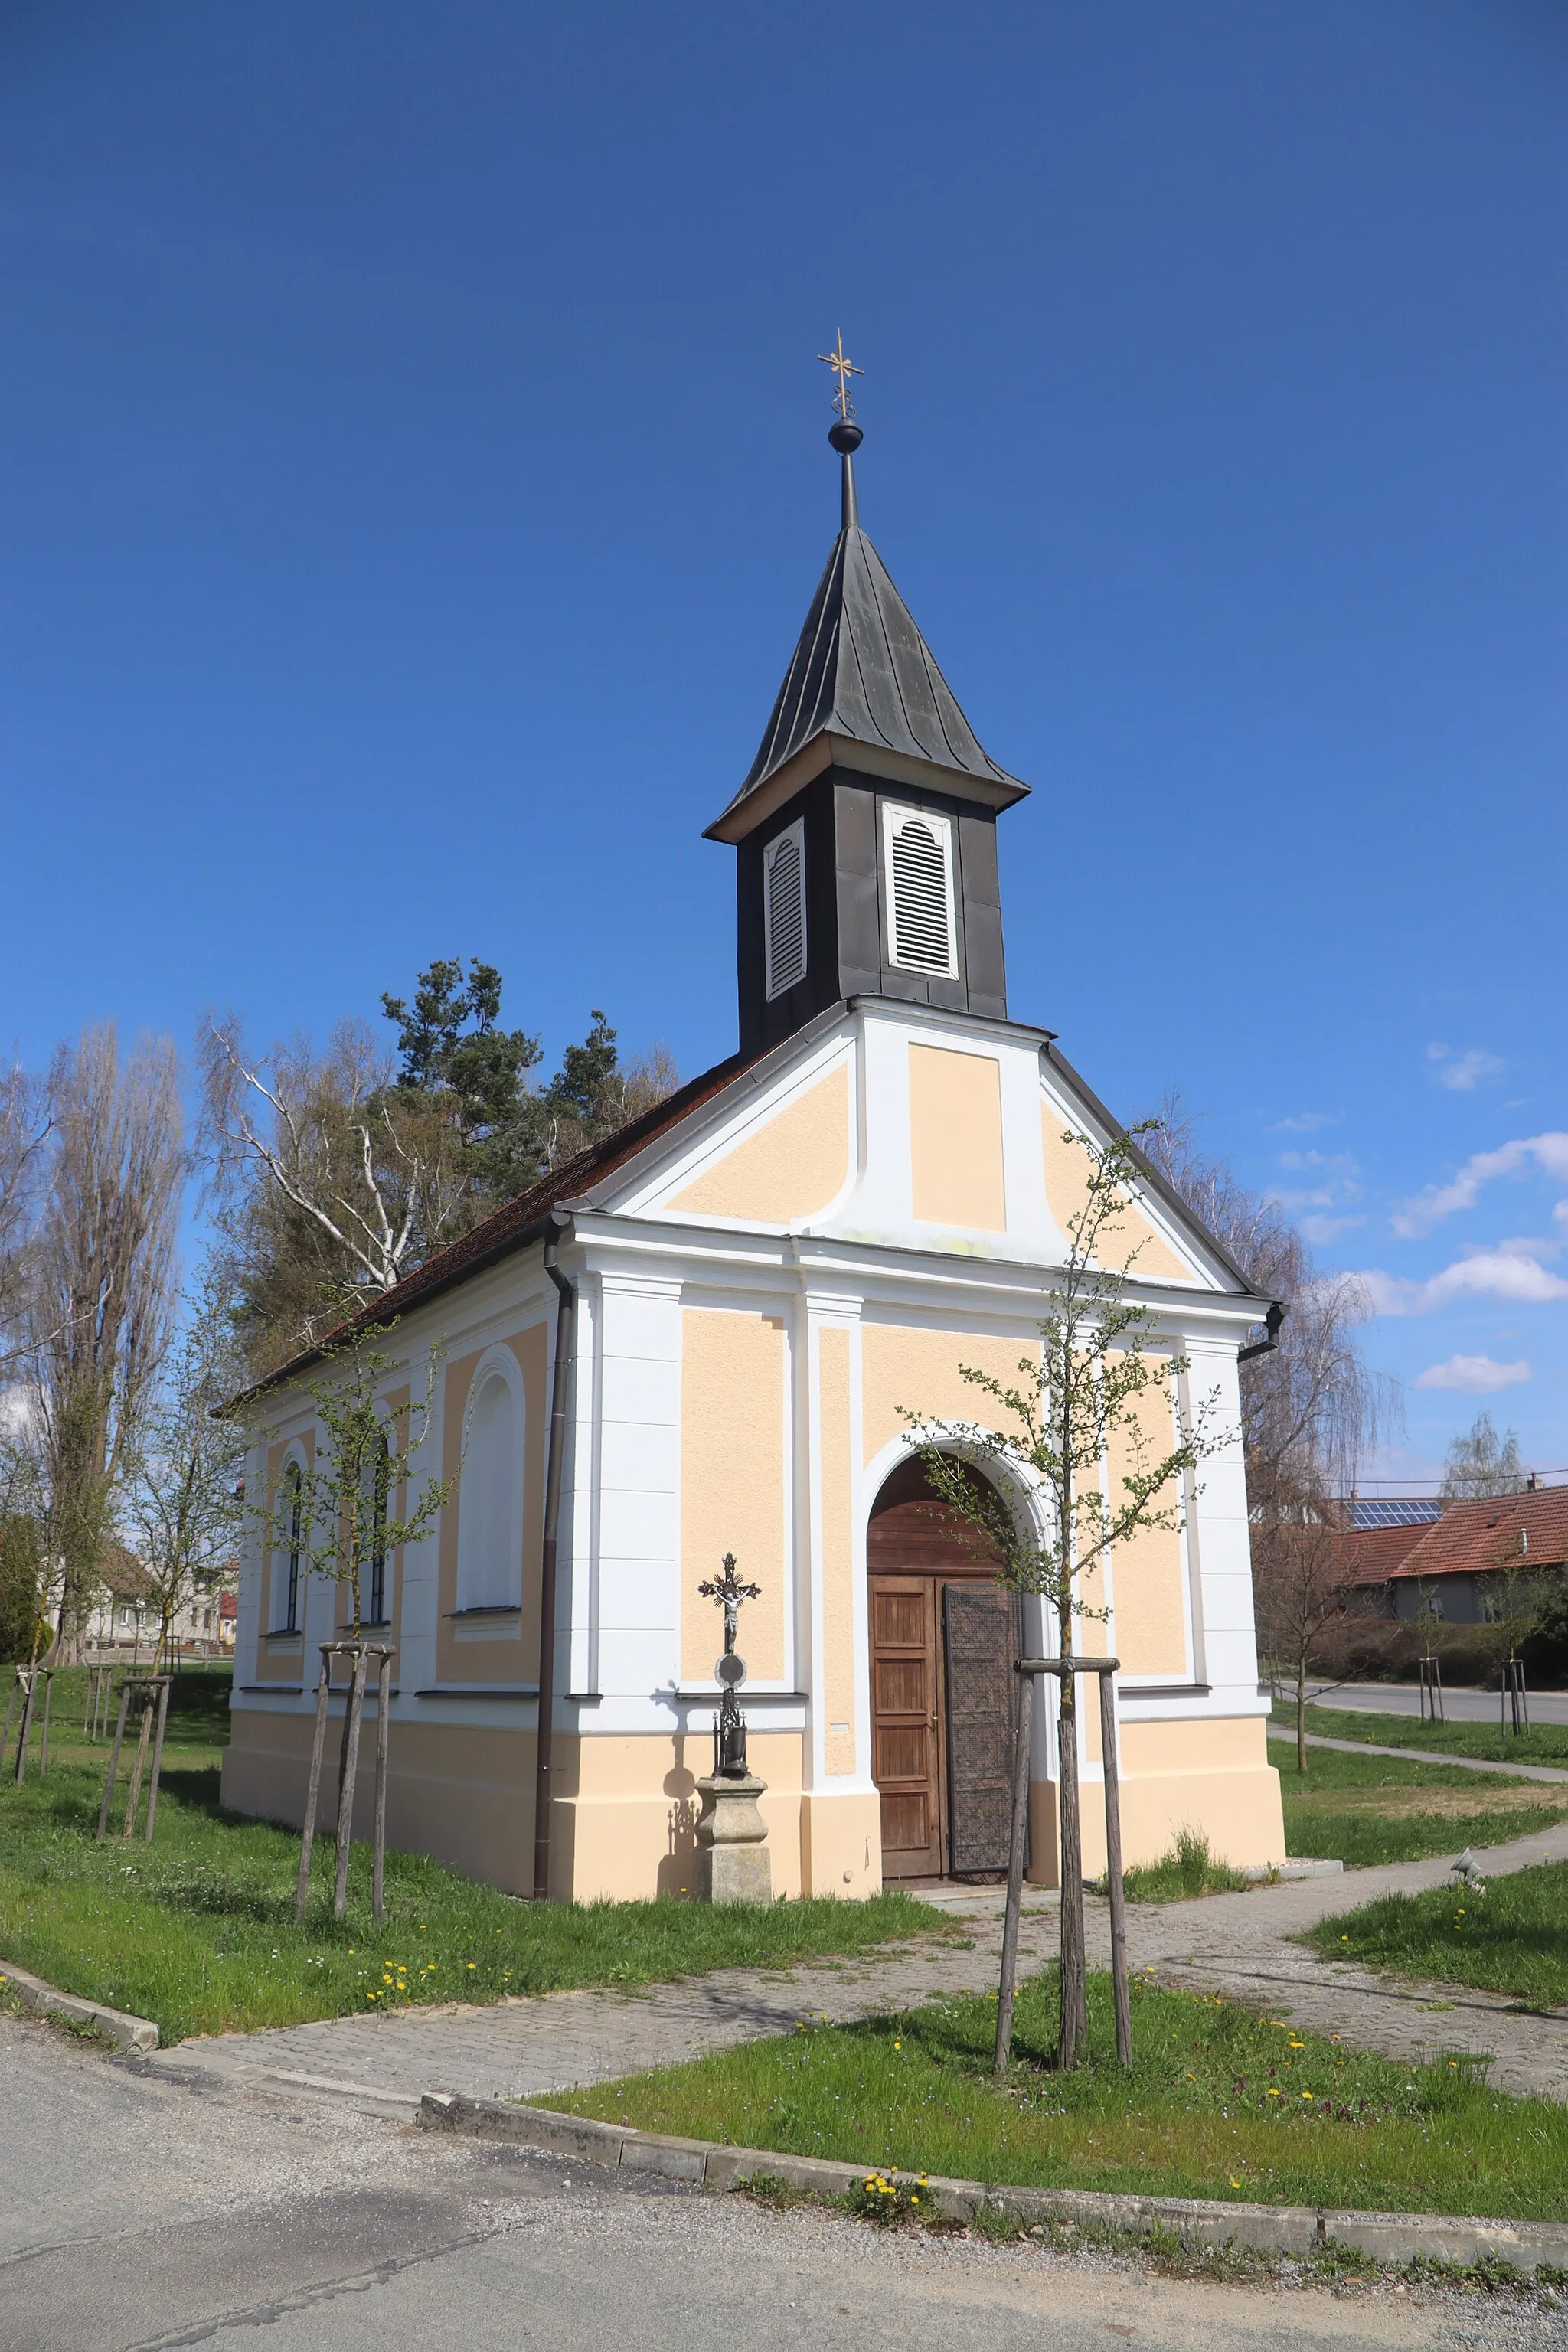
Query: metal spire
x,y
843,431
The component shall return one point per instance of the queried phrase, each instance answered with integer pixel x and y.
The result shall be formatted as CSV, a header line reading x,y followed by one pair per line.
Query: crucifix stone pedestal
x,y
733,1864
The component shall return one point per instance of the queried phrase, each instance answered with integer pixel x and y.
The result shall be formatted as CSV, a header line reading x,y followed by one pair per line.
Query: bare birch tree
x,y
332,1181
101,1296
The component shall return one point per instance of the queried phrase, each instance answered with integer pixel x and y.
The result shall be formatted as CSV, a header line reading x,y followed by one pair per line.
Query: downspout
x,y
1272,1320
566,1324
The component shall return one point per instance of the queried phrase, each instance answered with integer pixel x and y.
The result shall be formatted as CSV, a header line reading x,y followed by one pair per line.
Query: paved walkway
x,y
1421,1755
1233,1944
1463,1704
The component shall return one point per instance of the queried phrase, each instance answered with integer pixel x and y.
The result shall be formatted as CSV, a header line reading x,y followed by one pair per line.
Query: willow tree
x,y
1097,1433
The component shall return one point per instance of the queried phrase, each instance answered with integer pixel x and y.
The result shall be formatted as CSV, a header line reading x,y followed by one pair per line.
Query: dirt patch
x,y
1447,1804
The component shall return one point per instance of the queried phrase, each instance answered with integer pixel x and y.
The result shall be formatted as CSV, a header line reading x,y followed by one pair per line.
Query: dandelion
x,y
1305,2095
1234,2181
1274,2094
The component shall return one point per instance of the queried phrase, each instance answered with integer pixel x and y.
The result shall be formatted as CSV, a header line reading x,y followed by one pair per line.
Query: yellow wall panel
x,y
790,1169
955,1140
732,1484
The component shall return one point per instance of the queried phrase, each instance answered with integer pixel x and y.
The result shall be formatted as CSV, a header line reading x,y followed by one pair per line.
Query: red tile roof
x,y
1471,1538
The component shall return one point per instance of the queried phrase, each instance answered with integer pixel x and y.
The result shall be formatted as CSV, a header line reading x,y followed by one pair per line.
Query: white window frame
x,y
894,818
777,982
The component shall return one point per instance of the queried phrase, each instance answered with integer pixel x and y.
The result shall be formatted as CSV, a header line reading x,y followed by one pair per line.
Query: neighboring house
x,y
1459,1566
125,1621
766,1273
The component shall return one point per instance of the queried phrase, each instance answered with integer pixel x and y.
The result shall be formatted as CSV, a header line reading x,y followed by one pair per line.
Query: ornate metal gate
x,y
983,1629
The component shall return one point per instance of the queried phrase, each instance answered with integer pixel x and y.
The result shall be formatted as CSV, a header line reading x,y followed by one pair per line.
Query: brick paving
x,y
1236,1945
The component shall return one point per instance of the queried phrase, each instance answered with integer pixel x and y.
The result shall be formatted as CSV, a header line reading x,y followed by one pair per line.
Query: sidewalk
x,y
1283,1733
1233,1944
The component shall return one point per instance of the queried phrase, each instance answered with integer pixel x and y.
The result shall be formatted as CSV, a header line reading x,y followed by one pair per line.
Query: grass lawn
x,y
1222,2103
1369,1809
1512,1939
197,1930
1546,1744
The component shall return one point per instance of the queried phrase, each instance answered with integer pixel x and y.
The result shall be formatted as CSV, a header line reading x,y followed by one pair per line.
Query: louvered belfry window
x,y
784,908
920,886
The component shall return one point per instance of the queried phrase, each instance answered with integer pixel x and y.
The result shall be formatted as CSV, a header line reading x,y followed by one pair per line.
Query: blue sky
x,y
416,478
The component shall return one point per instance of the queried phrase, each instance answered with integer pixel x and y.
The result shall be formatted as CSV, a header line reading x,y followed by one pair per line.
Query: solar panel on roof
x,y
1394,1511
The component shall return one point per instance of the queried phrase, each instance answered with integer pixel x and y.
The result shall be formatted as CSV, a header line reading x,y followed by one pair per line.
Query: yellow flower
x,y
470,1964
1274,2094
1234,2181
1305,2095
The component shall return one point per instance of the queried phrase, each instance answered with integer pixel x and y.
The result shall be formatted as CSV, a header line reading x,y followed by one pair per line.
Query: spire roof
x,y
862,672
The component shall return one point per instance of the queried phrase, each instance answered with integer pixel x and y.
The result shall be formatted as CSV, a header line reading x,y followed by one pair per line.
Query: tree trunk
x,y
1301,1714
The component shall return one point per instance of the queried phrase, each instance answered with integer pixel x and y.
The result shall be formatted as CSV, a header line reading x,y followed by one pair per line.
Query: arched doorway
x,y
943,1693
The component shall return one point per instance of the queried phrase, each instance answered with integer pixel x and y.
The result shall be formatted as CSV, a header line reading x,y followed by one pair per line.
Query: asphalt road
x,y
137,2210
1404,1698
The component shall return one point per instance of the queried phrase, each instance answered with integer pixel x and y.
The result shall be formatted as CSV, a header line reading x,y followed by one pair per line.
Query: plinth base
x,y
733,1864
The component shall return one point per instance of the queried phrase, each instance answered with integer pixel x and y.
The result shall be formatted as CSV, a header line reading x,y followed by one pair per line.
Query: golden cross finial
x,y
843,368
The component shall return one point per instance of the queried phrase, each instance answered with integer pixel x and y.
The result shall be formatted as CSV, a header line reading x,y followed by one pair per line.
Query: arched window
x,y
378,1487
289,1556
490,1496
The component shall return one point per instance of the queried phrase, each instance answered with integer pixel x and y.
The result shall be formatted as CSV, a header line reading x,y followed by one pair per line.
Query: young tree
x,y
351,1512
1097,1426
1307,1566
1482,1463
183,1500
99,1303
1309,1409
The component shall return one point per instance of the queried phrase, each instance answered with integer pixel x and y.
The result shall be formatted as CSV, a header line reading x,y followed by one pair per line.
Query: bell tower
x,y
866,828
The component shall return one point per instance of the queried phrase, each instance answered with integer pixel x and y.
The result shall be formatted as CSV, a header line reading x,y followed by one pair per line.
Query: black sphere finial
x,y
846,436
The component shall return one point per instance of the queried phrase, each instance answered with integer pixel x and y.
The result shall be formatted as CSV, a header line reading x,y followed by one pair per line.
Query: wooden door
x,y
982,1636
905,1749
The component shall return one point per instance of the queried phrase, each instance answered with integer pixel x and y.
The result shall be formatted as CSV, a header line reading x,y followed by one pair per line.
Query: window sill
x,y
1129,1695
748,1694
282,1637
486,1609
479,1690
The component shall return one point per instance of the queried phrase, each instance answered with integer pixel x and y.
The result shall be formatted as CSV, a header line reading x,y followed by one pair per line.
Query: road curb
x,y
135,2035
1271,2229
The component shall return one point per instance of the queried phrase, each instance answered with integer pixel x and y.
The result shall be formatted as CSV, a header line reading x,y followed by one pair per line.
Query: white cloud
x,y
1306,1122
1321,1230
1549,1152
1489,1274
1472,1375
1465,1071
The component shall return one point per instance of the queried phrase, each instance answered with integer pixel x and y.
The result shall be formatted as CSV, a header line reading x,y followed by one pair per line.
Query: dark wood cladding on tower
x,y
849,933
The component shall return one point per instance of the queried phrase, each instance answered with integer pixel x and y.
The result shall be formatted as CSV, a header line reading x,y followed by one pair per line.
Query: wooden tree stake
x,y
30,1686
1005,1991
1113,1869
346,1784
157,1761
382,1711
113,1760
139,1767
313,1787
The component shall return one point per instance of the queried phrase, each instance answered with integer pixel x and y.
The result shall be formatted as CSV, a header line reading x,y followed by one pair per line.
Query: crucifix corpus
x,y
732,1861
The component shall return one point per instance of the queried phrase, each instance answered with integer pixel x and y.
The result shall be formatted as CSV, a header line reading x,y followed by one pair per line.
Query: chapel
x,y
706,1336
